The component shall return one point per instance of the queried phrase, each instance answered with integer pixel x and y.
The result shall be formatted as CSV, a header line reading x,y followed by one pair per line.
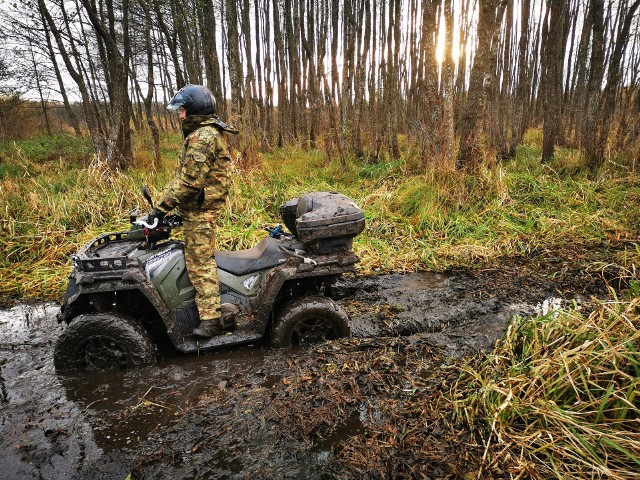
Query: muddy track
x,y
263,413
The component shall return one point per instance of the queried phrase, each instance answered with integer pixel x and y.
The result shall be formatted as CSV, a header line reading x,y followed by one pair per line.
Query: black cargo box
x,y
288,212
323,221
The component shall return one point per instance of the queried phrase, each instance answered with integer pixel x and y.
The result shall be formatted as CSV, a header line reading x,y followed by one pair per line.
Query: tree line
x,y
460,80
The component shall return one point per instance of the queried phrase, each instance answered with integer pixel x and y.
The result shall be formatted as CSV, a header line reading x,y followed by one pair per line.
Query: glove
x,y
153,214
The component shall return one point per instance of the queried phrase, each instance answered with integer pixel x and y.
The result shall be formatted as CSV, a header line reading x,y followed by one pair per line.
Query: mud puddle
x,y
458,311
204,416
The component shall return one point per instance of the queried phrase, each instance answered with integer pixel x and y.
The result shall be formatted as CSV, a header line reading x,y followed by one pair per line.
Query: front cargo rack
x,y
99,255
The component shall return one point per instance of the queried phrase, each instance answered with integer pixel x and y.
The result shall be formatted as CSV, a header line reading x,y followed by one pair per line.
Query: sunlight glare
x,y
456,48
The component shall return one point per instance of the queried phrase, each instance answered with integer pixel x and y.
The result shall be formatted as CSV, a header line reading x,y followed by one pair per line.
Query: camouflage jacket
x,y
202,176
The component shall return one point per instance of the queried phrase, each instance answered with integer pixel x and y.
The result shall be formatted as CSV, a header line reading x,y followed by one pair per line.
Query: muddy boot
x,y
229,315
207,328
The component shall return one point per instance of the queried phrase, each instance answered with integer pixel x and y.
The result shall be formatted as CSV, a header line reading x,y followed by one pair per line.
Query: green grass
x,y
54,200
64,148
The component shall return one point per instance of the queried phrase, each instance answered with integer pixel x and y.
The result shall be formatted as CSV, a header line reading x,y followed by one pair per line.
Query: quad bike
x,y
130,291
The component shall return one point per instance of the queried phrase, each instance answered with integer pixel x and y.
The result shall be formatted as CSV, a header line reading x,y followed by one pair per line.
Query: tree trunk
x,y
268,69
552,68
360,79
480,83
595,20
210,52
148,99
43,103
448,67
281,72
235,65
170,42
523,96
73,119
75,74
117,150
608,97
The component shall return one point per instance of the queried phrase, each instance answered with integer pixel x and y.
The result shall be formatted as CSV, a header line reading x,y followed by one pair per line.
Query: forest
x,y
494,312
461,80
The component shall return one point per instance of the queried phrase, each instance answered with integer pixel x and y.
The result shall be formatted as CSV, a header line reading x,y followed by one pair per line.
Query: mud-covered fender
x,y
82,285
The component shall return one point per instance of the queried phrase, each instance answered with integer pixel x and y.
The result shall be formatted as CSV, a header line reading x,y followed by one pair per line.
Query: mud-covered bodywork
x,y
124,273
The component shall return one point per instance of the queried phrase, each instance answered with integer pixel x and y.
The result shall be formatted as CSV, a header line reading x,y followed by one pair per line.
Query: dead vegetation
x,y
376,407
396,386
559,396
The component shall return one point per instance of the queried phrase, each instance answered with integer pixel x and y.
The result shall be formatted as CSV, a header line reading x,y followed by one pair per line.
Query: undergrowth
x,y
54,198
559,397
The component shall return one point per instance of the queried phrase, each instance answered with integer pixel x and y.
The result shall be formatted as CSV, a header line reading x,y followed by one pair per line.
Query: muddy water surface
x,y
99,424
56,424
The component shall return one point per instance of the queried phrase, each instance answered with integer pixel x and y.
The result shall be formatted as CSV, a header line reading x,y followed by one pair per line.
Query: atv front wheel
x,y
311,319
103,341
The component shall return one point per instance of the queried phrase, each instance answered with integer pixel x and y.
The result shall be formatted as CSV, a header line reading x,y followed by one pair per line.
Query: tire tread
x,y
298,309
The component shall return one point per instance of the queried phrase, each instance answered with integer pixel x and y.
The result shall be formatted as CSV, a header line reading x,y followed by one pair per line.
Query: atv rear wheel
x,y
103,341
308,320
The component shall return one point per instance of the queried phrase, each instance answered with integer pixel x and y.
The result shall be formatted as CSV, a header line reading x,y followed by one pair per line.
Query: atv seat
x,y
266,254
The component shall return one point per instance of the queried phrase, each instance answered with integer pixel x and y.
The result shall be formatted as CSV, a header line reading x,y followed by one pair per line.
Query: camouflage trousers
x,y
199,234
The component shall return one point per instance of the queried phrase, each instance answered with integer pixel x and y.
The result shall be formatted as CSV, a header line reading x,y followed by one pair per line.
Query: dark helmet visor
x,y
179,100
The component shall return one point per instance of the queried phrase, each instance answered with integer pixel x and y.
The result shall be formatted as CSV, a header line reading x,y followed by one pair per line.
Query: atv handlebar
x,y
159,229
150,226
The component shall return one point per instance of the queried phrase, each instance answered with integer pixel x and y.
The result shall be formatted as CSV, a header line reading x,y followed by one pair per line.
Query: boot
x,y
210,327
207,328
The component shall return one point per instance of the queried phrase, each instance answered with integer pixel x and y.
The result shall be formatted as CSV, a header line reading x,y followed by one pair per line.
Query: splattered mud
x,y
360,407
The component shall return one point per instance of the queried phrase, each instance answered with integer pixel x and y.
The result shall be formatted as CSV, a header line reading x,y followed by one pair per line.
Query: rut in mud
x,y
265,413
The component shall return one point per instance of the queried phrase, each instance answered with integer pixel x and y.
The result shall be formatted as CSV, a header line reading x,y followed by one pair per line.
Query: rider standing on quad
x,y
200,190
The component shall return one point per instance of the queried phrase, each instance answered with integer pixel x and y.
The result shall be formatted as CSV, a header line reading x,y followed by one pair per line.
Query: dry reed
x,y
560,396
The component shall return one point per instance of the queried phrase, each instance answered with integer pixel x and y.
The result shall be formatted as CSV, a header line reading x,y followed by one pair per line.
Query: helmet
x,y
196,99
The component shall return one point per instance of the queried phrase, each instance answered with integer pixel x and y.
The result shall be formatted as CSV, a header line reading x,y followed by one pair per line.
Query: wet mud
x,y
256,412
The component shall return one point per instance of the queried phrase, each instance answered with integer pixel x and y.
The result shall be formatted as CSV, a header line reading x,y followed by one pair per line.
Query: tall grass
x,y
53,199
560,395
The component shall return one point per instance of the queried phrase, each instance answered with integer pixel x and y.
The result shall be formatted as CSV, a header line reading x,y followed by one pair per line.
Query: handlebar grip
x,y
150,226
